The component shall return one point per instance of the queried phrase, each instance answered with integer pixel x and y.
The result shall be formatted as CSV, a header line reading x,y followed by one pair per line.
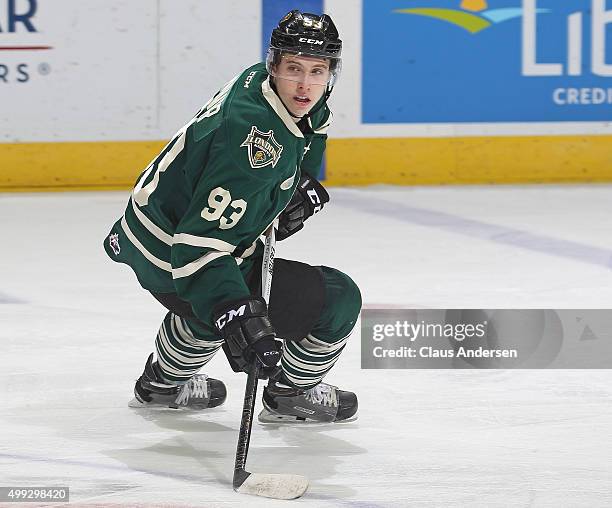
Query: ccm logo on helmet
x,y
311,41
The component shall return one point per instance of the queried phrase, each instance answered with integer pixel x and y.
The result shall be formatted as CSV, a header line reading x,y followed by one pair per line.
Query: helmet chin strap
x,y
321,103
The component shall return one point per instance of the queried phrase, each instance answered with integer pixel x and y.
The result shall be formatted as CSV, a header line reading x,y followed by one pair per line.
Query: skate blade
x,y
137,404
269,417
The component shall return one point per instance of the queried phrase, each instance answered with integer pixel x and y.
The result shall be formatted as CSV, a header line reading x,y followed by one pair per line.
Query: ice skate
x,y
200,392
323,403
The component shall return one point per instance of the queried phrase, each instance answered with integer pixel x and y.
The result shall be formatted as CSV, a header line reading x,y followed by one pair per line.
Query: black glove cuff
x,y
313,193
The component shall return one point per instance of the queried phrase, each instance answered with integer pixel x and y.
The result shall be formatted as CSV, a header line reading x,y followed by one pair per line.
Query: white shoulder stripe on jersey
x,y
194,266
201,241
153,228
279,108
324,128
156,261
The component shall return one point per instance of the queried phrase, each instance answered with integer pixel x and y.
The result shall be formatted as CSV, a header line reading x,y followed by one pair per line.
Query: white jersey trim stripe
x,y
201,241
153,228
250,250
156,261
325,127
194,266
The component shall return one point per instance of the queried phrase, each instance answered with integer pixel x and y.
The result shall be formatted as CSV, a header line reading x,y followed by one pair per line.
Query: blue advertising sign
x,y
273,10
486,61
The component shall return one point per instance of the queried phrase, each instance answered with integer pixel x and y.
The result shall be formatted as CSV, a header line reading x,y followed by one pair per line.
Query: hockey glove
x,y
246,328
308,199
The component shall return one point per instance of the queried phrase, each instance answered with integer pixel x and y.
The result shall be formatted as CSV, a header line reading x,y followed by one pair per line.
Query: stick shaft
x,y
246,424
250,392
267,269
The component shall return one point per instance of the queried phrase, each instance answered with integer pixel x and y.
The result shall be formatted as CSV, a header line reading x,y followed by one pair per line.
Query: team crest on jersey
x,y
113,241
263,148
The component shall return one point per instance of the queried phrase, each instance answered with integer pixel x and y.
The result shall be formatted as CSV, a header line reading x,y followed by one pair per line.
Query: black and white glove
x,y
308,199
246,328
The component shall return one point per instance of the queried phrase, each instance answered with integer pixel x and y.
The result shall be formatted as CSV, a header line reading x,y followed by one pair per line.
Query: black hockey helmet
x,y
309,35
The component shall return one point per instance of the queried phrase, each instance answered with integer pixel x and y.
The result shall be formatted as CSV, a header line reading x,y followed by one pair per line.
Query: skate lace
x,y
196,387
323,394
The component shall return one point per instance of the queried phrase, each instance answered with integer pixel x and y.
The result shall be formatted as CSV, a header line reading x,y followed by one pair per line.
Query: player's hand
x,y
246,328
308,199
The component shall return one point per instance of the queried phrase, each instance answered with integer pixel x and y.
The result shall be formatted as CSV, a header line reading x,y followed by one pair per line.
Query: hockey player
x,y
191,233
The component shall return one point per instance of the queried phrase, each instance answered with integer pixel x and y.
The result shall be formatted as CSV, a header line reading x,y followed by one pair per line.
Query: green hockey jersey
x,y
193,221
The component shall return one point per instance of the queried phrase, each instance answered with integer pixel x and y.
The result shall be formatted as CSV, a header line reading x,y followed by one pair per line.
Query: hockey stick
x,y
277,486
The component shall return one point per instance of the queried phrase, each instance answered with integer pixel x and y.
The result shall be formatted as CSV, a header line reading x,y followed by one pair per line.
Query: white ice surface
x,y
75,330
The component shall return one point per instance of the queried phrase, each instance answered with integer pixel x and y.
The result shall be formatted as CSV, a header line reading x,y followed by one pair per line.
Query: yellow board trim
x,y
354,161
469,160
74,166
